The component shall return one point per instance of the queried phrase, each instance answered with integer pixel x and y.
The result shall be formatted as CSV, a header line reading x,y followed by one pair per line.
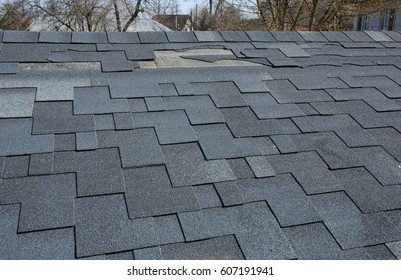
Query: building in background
x,y
175,22
389,19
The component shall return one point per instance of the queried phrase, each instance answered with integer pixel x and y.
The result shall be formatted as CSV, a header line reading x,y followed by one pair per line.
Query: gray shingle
x,y
257,231
285,92
366,191
96,100
240,168
41,164
312,36
380,252
17,102
24,53
260,36
8,230
46,201
288,36
395,248
64,142
327,144
123,37
16,166
243,123
260,166
104,122
209,36
154,104
171,126
194,226
266,145
234,36
396,36
380,164
128,255
114,231
149,193
123,121
284,195
57,244
343,125
86,141
98,171
265,107
137,147
370,95
224,94
152,37
314,242
42,76
187,166
153,253
58,117
219,248
9,67
137,105
89,37
206,196
336,36
169,230
349,226
55,37
168,89
309,170
389,139
11,36
217,142
358,36
378,36
16,138
229,192
200,109
181,37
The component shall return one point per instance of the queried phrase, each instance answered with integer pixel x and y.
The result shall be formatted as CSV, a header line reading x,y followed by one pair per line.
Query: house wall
x,y
375,22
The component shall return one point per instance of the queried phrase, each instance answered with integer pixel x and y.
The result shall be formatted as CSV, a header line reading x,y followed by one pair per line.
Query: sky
x,y
185,6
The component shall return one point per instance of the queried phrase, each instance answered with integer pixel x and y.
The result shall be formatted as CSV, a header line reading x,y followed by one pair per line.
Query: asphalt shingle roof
x,y
204,145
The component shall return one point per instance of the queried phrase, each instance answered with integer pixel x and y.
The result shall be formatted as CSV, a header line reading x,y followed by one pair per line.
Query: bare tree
x,y
90,15
14,15
161,7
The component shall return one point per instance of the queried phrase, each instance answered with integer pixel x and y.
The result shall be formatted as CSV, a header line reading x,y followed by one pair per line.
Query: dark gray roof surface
x,y
204,145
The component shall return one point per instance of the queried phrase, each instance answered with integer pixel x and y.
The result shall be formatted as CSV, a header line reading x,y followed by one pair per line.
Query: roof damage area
x,y
200,145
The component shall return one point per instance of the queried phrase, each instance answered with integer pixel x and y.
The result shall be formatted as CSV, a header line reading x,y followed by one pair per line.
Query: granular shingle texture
x,y
203,145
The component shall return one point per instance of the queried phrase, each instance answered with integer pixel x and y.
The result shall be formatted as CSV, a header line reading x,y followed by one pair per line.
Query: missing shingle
x,y
60,66
173,59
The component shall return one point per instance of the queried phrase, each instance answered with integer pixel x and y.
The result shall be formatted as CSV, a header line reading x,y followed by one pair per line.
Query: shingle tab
x,y
58,117
344,221
149,193
217,142
314,242
115,232
11,36
96,100
184,159
137,147
171,126
152,37
89,37
17,102
15,167
16,138
46,201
